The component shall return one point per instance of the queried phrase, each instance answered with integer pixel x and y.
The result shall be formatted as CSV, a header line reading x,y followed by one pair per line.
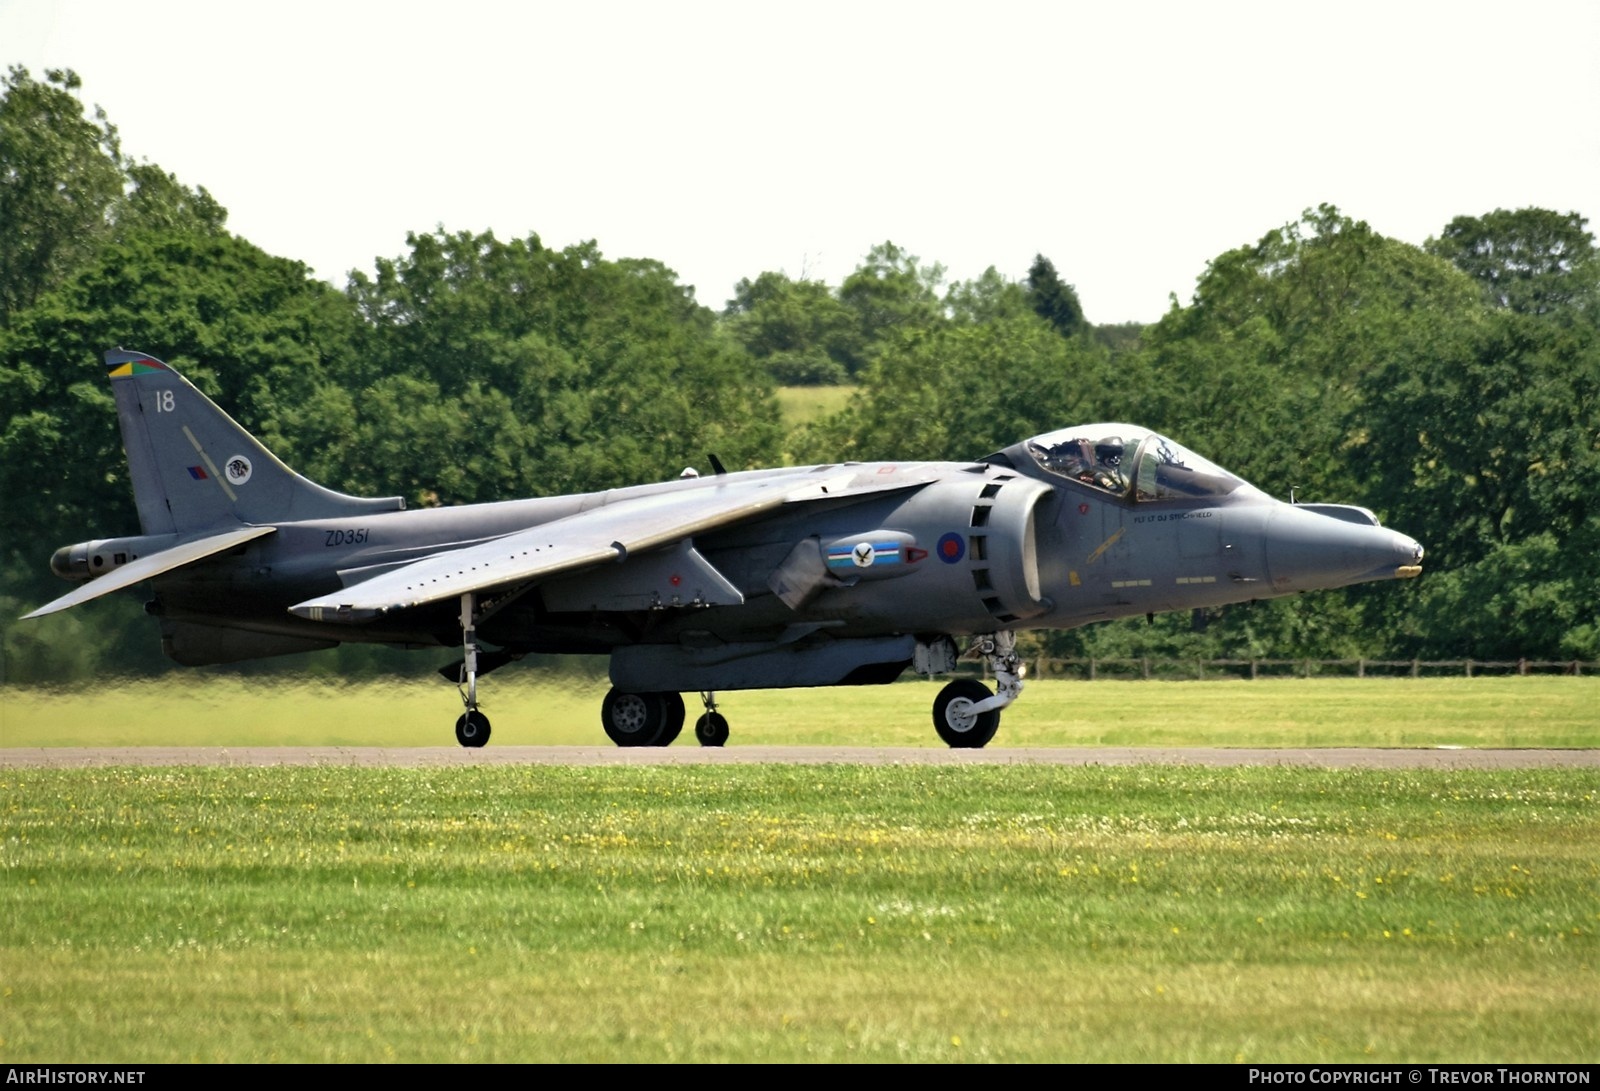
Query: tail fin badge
x,y
238,470
143,366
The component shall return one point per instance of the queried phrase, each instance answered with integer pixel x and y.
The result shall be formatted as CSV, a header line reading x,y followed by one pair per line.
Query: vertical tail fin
x,y
193,467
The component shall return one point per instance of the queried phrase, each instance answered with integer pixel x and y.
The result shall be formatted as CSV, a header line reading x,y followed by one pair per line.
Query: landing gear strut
x,y
472,729
712,728
965,714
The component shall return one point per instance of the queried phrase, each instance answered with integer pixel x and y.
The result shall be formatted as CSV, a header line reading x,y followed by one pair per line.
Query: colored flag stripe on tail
x,y
137,367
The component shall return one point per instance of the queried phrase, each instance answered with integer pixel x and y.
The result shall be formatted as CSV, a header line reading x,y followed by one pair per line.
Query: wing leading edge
x,y
607,534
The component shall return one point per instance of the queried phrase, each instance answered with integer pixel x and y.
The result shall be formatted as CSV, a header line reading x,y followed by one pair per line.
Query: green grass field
x,y
532,709
800,405
820,913
780,913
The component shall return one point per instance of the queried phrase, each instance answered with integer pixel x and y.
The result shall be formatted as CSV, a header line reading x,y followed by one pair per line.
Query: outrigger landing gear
x,y
965,714
712,728
472,729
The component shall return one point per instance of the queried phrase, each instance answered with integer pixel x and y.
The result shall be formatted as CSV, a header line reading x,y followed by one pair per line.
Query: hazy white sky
x,y
1130,142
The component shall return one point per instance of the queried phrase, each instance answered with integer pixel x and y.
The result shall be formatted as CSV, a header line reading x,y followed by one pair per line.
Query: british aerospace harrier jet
x,y
834,575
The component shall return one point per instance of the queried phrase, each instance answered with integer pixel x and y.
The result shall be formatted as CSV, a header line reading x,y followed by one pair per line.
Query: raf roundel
x,y
951,548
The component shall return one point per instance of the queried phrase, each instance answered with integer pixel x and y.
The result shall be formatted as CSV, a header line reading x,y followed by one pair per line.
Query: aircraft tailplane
x,y
194,468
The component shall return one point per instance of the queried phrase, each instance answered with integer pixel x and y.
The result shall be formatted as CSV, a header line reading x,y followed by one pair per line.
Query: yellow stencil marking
x,y
1105,545
216,475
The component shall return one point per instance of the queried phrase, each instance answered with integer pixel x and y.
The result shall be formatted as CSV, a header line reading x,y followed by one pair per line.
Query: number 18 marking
x,y
164,401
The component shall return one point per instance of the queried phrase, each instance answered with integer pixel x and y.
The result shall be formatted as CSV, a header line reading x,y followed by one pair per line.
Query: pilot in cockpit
x,y
1098,464
1070,458
1108,464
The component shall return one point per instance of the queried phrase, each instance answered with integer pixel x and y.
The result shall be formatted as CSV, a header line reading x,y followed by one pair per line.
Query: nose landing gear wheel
x,y
711,729
472,729
954,720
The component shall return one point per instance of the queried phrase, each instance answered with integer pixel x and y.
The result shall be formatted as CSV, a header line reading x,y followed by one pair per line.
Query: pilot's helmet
x,y
1070,455
1109,451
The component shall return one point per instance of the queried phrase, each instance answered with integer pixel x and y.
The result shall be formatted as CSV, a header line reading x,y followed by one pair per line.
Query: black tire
x,y
675,717
634,719
958,727
711,729
472,729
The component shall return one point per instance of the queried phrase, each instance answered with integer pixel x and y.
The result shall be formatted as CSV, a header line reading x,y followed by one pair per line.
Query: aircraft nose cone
x,y
1415,559
1308,550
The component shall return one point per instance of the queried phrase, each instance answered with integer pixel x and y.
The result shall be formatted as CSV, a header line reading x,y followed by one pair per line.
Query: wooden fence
x,y
1148,668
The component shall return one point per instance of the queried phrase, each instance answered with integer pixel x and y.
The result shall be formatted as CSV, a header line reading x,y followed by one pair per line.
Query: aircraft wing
x,y
601,535
155,564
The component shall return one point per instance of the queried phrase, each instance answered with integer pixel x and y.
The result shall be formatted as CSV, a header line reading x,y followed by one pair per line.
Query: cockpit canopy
x,y
1125,460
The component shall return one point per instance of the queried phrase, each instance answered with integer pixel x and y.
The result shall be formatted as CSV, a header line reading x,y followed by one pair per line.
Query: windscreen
x,y
1168,471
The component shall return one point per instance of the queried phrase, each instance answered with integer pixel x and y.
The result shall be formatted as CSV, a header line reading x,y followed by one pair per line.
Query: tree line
x,y
1451,387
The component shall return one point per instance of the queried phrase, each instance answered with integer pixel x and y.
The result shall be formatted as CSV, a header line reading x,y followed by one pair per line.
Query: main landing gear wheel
x,y
711,729
954,720
675,717
472,729
642,719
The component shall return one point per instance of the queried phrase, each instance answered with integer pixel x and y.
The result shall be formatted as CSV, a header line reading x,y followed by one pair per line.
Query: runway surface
x,y
455,756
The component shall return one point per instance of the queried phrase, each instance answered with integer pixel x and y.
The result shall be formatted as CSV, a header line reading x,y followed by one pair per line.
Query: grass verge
x,y
527,709
781,913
